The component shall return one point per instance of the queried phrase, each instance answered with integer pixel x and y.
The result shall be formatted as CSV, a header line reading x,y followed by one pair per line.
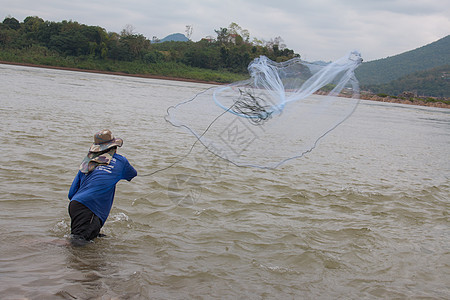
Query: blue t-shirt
x,y
96,189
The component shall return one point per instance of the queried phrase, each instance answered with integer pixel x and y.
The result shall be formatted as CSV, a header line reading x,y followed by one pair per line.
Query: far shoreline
x,y
149,76
370,97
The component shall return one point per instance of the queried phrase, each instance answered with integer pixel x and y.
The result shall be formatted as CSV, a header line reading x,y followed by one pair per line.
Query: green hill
x,y
175,37
434,82
385,70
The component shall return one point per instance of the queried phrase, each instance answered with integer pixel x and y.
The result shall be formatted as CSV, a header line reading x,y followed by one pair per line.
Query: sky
x,y
315,29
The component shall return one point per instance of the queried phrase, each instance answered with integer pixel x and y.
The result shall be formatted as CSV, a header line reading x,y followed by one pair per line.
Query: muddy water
x,y
365,215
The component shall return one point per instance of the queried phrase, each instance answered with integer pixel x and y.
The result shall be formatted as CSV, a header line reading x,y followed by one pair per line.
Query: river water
x,y
365,215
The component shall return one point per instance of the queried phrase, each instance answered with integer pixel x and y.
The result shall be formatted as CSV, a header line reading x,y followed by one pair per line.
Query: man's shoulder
x,y
120,158
129,171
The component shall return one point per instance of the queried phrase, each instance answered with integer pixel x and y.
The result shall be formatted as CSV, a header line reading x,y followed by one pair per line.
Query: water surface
x,y
365,215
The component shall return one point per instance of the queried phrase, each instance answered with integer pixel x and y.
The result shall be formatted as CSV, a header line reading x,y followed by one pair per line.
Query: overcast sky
x,y
316,29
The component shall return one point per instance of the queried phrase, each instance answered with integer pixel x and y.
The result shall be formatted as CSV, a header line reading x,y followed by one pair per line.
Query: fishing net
x,y
280,113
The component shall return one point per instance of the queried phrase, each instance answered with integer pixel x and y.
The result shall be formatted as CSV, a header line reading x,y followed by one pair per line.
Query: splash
x,y
280,113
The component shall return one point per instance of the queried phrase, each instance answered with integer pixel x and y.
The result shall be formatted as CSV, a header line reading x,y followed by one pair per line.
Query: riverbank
x,y
400,100
364,96
109,72
412,101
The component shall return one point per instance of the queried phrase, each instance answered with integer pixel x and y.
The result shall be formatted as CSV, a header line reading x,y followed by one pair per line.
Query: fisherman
x,y
92,192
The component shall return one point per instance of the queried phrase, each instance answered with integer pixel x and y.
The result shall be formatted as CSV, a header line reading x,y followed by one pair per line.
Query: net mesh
x,y
280,113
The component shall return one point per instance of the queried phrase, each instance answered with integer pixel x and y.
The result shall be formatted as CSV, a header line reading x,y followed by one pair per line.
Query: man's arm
x,y
129,172
75,186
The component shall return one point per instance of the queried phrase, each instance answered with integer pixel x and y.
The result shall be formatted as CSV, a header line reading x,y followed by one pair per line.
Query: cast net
x,y
280,113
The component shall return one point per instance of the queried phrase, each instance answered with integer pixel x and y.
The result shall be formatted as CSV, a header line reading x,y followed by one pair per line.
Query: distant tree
x,y
46,30
134,45
10,38
222,35
127,30
11,23
277,41
258,42
235,29
153,57
33,24
70,42
233,34
189,30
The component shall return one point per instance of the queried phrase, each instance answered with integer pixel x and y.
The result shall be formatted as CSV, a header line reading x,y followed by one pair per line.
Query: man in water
x,y
92,192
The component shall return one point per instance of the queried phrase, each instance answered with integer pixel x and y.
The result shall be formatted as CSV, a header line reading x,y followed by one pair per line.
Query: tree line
x,y
230,51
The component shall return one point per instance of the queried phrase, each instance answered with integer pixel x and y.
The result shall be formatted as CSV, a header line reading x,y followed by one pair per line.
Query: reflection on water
x,y
365,215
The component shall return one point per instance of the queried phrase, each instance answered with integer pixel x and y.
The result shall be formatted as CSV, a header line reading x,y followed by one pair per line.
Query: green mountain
x,y
175,37
385,70
433,82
